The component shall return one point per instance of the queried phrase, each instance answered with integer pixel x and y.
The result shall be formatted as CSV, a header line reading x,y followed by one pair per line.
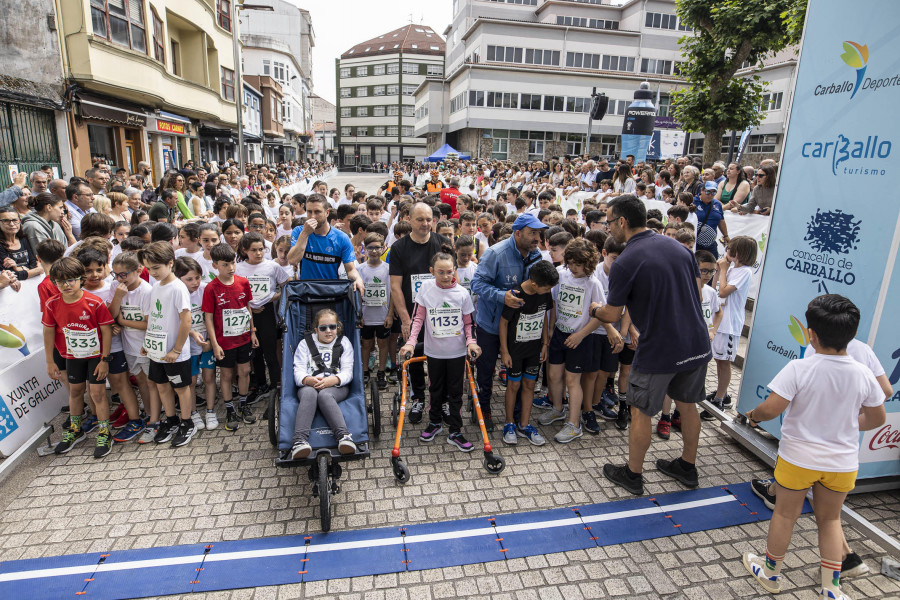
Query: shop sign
x,y
170,127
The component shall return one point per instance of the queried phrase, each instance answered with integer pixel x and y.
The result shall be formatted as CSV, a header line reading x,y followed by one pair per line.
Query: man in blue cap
x,y
502,267
710,216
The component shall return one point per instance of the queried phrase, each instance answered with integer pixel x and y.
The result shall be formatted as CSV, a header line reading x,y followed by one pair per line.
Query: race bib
x,y
259,286
82,344
155,345
416,282
235,322
571,299
707,314
445,322
529,327
132,313
198,324
376,294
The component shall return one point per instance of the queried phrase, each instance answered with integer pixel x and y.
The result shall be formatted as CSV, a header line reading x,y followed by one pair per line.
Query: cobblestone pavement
x,y
223,486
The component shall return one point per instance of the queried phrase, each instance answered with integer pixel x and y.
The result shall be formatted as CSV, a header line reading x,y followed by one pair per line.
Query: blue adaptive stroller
x,y
300,301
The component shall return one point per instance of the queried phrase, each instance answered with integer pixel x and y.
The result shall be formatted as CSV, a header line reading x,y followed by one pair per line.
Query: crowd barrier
x,y
304,186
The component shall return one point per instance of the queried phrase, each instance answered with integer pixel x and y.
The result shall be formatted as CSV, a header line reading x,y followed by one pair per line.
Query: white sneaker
x,y
211,420
568,433
346,445
551,415
300,450
147,435
756,566
198,421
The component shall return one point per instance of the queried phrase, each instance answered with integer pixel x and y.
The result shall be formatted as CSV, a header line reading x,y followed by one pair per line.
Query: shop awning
x,y
217,134
114,111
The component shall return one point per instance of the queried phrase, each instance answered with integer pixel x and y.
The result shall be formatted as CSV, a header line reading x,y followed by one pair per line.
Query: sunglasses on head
x,y
329,327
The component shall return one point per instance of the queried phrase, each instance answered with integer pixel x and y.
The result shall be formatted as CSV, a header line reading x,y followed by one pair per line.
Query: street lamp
x,y
239,82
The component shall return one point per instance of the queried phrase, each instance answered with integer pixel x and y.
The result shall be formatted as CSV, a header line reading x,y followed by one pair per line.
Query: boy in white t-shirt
x,y
827,400
377,312
735,273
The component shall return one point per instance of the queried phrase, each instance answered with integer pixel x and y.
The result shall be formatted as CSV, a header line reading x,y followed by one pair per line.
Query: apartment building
x,y
376,83
519,75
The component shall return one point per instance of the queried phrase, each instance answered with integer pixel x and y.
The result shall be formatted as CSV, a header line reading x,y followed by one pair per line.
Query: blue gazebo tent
x,y
442,152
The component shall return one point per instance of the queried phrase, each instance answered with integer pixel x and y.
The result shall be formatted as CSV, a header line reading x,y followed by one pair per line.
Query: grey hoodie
x,y
37,229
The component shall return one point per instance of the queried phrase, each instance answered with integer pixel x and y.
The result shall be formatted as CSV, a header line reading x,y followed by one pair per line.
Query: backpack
x,y
316,358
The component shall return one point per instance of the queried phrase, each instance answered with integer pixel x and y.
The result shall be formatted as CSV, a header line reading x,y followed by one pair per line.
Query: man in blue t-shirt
x,y
321,247
658,281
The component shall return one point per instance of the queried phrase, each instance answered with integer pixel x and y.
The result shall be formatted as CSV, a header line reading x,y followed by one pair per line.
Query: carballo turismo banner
x,y
836,226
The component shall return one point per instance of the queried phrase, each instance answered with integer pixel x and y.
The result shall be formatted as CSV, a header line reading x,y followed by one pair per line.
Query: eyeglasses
x,y
122,275
760,174
373,248
329,327
9,221
257,227
62,282
707,271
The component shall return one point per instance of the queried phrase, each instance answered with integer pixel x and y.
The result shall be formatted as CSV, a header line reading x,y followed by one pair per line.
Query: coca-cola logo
x,y
886,437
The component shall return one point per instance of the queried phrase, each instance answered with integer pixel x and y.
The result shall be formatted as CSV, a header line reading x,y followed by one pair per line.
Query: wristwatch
x,y
107,358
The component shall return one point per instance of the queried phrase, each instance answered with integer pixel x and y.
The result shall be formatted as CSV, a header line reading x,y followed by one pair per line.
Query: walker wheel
x,y
494,464
401,473
395,410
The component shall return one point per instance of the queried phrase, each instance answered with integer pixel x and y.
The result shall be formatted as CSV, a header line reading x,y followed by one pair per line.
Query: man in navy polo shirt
x,y
322,248
658,281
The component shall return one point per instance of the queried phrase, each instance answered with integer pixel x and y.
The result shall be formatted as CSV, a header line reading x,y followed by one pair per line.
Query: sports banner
x,y
836,227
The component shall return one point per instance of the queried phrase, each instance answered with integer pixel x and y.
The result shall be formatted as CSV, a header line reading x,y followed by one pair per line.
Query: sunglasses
x,y
329,327
760,174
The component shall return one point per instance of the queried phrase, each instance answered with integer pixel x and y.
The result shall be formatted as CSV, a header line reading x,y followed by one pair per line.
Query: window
x,y
345,71
435,70
378,90
409,90
346,111
603,24
393,111
362,111
377,69
772,101
159,51
535,150
578,105
362,92
362,71
572,21
554,103
393,90
762,144
409,110
267,68
422,112
345,92
407,131
393,131
574,142
346,131
458,102
502,100
683,27
582,60
227,83
476,98
175,58
531,102
665,106
224,10
618,63
529,56
393,68
286,110
377,111
500,149
657,66
617,107
120,21
410,68
661,21
362,131
378,131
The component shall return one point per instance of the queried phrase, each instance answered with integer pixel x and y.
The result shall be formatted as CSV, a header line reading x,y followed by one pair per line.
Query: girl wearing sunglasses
x,y
323,369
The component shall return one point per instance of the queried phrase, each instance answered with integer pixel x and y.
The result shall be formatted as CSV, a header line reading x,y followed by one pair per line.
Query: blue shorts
x,y
207,361
118,364
577,360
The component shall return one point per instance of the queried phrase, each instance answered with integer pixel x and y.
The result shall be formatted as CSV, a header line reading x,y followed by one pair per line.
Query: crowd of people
x,y
616,310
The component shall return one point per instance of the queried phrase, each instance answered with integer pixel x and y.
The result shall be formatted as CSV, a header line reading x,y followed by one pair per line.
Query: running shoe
x,y
431,432
212,421
609,397
756,566
365,378
258,394
831,595
530,433
488,421
198,421
619,475
509,434
247,415
392,376
346,445
381,380
232,420
708,416
568,433
300,450
131,430
589,422
460,442
664,429
70,439
415,411
116,416
89,423
542,403
167,430
726,402
552,416
104,443
186,431
853,566
761,487
676,470
607,413
147,434
622,417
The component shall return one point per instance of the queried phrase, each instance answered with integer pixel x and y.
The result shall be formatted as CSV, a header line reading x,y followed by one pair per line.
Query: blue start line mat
x,y
297,559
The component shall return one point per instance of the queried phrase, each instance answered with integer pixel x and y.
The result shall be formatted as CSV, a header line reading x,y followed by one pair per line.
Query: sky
x,y
341,24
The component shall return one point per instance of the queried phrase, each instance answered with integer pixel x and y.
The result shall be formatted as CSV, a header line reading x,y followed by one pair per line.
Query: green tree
x,y
726,34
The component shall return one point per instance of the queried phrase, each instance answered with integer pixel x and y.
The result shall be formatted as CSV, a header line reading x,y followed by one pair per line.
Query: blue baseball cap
x,y
528,220
710,185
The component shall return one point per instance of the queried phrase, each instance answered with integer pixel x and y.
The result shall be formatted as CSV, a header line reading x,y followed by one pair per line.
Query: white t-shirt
x,y
464,275
198,323
209,271
484,241
198,255
710,305
735,304
860,352
820,430
135,306
573,297
106,294
167,302
377,299
445,307
264,280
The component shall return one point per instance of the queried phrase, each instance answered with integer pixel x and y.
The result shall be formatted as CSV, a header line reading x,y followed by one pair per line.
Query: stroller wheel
x,y
375,408
274,411
494,464
400,471
395,410
324,492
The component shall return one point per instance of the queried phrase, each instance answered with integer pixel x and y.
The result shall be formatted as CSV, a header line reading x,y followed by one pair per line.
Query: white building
x,y
376,83
324,116
279,44
520,73
252,123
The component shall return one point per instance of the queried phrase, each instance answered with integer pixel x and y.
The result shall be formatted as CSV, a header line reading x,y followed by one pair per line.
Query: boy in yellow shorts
x,y
827,399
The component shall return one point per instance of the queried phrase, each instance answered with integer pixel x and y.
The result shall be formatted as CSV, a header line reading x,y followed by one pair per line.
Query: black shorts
x,y
604,358
118,364
647,391
626,356
236,356
178,373
577,360
58,360
369,332
524,366
79,370
395,326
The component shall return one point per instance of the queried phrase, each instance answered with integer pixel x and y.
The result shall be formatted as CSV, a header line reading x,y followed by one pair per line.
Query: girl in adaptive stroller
x,y
323,369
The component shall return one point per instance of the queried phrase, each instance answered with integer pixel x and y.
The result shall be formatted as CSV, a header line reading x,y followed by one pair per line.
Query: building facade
x,y
376,83
252,122
324,116
153,80
271,117
519,76
278,44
